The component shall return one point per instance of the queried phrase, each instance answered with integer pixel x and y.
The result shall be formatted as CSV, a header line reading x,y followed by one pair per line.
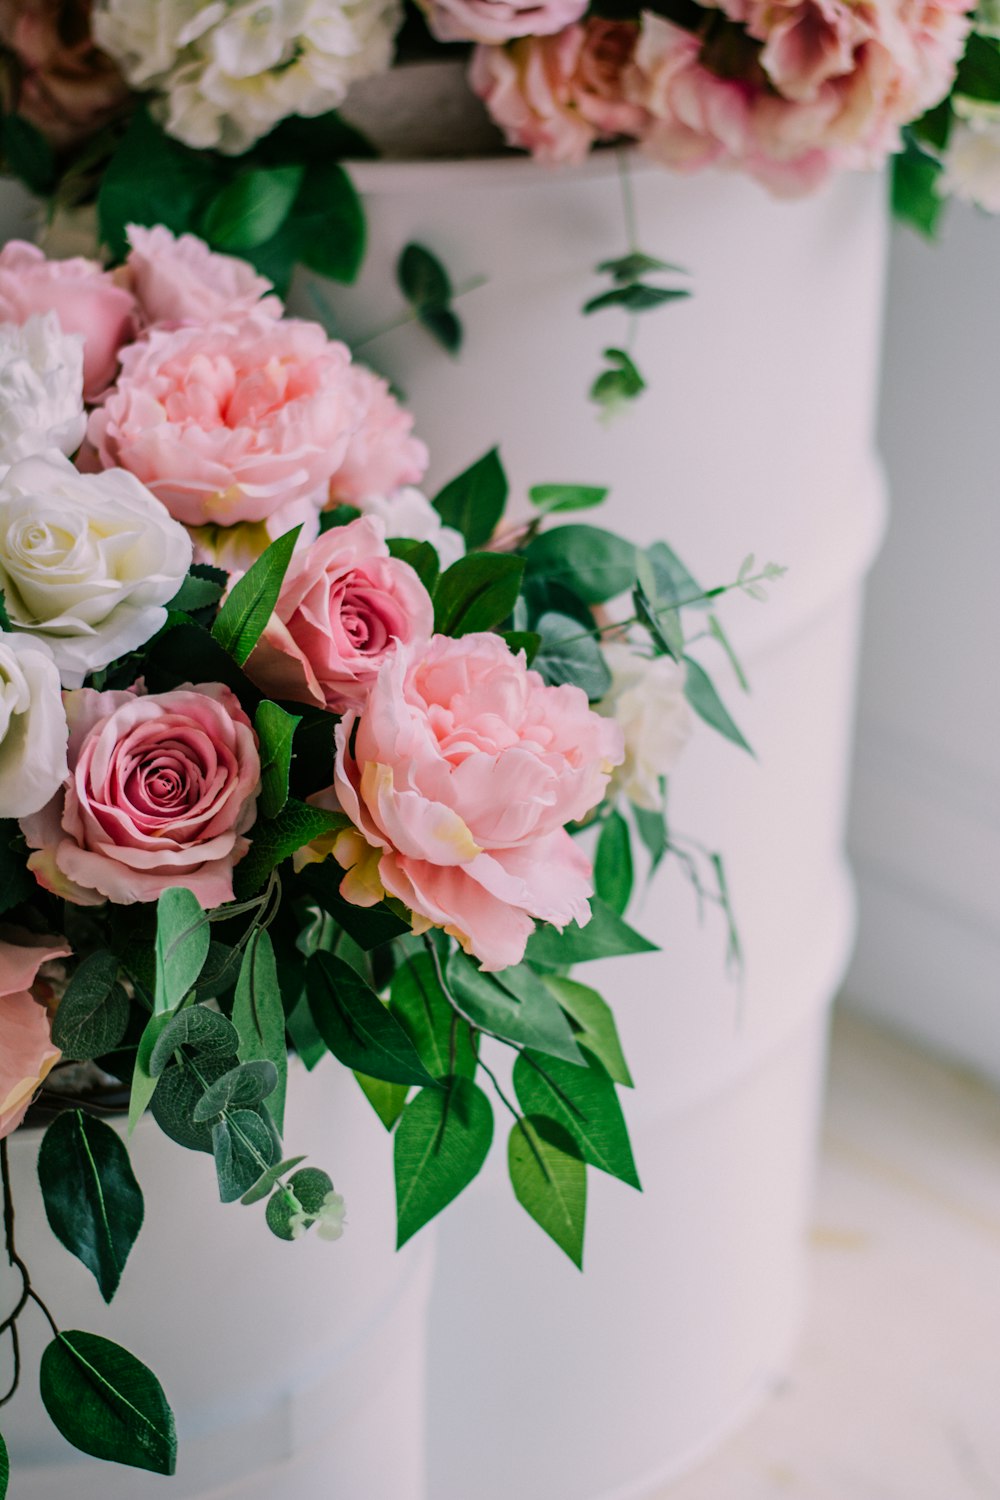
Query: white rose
x,y
33,730
87,561
647,699
41,388
972,162
407,512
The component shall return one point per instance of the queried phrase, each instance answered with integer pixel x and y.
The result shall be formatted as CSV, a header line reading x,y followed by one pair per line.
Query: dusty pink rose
x,y
62,84
26,1051
790,92
180,280
459,777
161,791
382,455
82,295
498,21
555,96
236,422
345,607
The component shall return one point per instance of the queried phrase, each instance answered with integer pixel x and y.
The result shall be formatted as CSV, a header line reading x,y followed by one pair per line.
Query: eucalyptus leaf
x,y
178,1091
261,1188
241,1088
259,1017
549,1179
211,1034
106,1403
636,297
182,939
442,1140
422,278
551,498
143,1081
568,654
276,839
92,1200
244,1148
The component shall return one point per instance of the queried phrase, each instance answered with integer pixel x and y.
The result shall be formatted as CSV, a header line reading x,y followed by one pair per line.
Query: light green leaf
x,y
593,1017
442,1140
569,654
386,1099
143,1082
92,1201
182,939
108,1404
250,604
514,1004
259,1017
584,1102
550,1181
550,498
261,1188
275,731
434,1027
703,698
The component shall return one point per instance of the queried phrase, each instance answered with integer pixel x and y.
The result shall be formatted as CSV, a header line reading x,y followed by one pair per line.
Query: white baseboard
x,y
925,844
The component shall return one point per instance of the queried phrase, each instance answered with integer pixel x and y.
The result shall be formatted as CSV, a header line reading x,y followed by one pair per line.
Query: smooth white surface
x,y
280,1360
925,829
893,1395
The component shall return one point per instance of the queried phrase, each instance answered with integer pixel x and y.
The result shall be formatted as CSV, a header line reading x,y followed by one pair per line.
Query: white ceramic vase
x,y
756,433
283,1362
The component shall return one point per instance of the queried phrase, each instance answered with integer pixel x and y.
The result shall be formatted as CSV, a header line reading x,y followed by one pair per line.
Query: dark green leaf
x,y
275,839
336,516
108,1404
515,1004
177,1093
153,179
196,593
605,936
307,1192
386,1099
325,229
597,565
243,1087
259,1017
92,1200
182,939
630,267
244,1147
613,863
422,1009
222,967
477,593
549,498
703,698
567,654
444,325
93,1014
584,1102
979,70
915,198
422,278
356,1026
442,1140
27,154
473,502
241,620
318,140
597,1030
421,556
527,641
206,1031
550,1181
636,297
188,653
4,1470
251,208
370,926
275,731
17,883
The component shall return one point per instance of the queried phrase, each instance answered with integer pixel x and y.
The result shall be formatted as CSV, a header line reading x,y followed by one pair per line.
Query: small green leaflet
x,y
182,941
584,1102
275,731
703,698
442,1140
474,501
549,1180
636,297
250,604
614,387
275,839
108,1404
550,498
259,1017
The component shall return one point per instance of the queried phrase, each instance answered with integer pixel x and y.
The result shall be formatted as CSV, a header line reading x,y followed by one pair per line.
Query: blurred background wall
x,y
925,827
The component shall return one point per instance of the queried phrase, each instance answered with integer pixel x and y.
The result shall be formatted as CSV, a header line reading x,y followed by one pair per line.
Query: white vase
x,y
283,1362
756,433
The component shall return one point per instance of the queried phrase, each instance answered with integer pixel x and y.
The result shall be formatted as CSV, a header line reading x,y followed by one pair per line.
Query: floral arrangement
x,y
293,759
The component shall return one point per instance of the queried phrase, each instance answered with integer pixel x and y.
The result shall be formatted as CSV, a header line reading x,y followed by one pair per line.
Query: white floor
x,y
896,1391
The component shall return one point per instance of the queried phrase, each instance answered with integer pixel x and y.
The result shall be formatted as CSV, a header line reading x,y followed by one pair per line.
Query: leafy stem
x,y
28,1293
766,575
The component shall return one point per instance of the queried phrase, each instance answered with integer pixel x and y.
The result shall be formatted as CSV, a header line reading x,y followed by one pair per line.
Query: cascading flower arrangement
x,y
293,761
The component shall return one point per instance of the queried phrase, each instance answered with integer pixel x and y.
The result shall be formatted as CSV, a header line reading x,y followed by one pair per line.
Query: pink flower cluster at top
x,y
786,91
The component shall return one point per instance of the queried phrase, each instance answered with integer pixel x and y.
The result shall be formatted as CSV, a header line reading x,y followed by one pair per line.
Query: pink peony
x,y
84,298
556,95
161,792
237,422
459,777
345,607
499,21
26,1051
180,280
383,455
791,91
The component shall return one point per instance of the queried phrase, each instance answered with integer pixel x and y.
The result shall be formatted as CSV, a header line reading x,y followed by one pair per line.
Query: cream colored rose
x,y
41,388
647,700
33,729
87,561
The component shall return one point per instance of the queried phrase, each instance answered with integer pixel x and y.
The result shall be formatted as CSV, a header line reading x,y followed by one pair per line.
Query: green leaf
x,y
423,1010
261,1188
605,936
550,1181
153,179
244,1147
442,1140
477,593
550,498
567,654
673,583
515,1004
276,839
651,825
306,1190
356,1026
979,71
241,1088
370,926
915,198
17,884
474,501
527,641
196,593
241,620
703,698
4,1470
663,625
613,873
108,1404
596,565
275,731
636,297
259,1017
94,1012
720,635
92,1201
421,556
324,231
143,1082
422,278
251,208
337,516
630,267
318,140
178,1092
584,1102
615,387
595,1022
444,325
27,154
386,1099
182,939
208,1032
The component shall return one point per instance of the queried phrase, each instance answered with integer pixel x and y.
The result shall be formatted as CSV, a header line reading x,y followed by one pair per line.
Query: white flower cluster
x,y
408,512
647,698
231,70
41,388
972,160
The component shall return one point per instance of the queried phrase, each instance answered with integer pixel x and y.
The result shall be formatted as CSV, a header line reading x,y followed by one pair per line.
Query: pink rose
x,y
161,790
555,96
460,775
180,280
26,1051
382,455
499,21
345,607
85,299
236,422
